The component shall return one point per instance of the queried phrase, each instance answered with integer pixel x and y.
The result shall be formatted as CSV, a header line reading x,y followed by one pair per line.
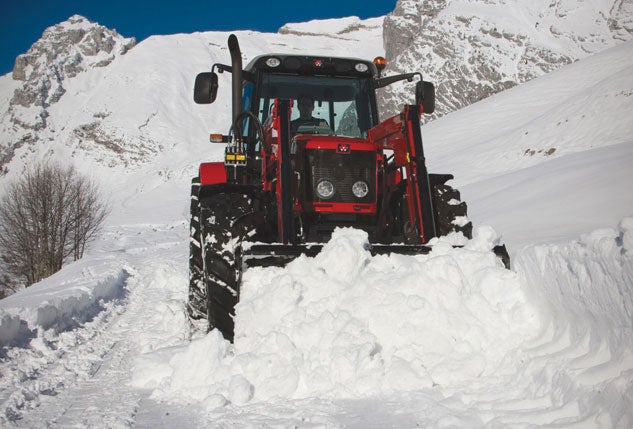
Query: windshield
x,y
340,105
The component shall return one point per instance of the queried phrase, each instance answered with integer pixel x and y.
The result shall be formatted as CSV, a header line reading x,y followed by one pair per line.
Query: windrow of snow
x,y
345,324
62,301
585,292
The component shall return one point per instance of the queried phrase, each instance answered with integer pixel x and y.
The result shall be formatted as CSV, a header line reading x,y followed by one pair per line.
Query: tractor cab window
x,y
340,106
247,96
247,100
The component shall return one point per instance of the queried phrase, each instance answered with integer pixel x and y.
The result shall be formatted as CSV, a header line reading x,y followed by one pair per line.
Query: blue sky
x,y
23,21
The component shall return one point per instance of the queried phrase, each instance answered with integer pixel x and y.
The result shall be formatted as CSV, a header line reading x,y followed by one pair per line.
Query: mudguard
x,y
212,173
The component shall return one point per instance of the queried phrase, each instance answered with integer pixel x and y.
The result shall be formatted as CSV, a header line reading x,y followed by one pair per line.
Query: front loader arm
x,y
277,137
402,135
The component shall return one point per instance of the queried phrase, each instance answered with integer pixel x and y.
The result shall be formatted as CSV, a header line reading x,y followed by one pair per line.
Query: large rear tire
x,y
196,306
226,219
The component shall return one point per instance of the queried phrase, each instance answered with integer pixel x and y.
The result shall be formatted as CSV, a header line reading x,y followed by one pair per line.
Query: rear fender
x,y
212,173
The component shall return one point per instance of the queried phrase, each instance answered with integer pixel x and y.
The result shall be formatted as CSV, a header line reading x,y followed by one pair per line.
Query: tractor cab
x,y
342,98
301,131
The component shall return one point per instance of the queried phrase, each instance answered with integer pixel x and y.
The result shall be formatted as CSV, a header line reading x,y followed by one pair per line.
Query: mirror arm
x,y
388,80
221,68
247,75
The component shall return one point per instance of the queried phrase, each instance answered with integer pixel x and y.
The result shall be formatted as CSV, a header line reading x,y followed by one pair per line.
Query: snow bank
x,y
62,301
345,324
585,291
587,282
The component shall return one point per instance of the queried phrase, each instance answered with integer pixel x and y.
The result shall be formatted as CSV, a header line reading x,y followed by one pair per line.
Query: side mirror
x,y
425,95
206,88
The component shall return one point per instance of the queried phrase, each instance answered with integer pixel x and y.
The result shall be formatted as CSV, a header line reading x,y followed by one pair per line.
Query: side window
x,y
262,112
247,99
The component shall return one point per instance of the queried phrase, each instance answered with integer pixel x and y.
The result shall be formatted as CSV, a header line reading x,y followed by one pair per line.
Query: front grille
x,y
343,170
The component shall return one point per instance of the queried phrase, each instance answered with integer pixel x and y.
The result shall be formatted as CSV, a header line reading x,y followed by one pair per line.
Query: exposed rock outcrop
x,y
472,50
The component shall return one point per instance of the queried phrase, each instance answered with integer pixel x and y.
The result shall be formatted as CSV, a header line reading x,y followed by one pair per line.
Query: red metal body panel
x,y
212,173
342,145
357,208
274,157
389,135
336,143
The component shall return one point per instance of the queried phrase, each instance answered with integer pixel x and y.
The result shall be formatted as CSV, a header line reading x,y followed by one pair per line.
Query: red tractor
x,y
306,154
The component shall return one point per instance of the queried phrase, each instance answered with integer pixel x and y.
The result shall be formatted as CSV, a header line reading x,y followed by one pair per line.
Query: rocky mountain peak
x,y
69,48
64,50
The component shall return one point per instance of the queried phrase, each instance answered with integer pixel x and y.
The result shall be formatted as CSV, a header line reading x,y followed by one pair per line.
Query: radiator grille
x,y
343,170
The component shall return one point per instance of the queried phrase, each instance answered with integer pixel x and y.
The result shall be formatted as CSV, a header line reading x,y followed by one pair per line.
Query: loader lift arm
x,y
401,134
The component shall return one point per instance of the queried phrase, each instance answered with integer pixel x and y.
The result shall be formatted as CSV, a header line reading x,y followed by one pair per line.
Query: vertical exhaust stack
x,y
236,65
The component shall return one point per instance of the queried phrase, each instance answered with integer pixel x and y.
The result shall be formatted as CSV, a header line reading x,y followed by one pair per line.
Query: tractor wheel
x,y
197,305
225,220
450,211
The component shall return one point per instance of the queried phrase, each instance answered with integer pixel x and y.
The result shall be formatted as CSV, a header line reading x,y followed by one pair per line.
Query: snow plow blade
x,y
278,255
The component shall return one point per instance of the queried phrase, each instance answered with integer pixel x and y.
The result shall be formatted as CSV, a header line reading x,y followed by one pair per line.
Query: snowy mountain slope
x,y
348,340
473,49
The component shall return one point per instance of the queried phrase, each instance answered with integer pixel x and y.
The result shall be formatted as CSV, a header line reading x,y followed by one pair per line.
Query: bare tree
x,y
46,219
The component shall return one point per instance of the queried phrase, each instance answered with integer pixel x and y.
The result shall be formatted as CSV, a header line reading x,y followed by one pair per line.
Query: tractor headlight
x,y
361,68
273,62
325,189
360,189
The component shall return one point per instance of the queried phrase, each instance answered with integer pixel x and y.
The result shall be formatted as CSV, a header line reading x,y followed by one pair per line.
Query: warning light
x,y
380,64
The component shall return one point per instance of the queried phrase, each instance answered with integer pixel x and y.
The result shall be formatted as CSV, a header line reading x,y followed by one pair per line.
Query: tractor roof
x,y
312,65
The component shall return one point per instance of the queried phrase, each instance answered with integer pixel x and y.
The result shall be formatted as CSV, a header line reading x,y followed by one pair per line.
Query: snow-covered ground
x,y
449,339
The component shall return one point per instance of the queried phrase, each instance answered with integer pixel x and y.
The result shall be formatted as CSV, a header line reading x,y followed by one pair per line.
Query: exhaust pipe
x,y
236,65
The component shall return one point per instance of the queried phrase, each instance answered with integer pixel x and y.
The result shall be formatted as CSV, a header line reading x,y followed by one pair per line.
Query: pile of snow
x,y
346,324
546,343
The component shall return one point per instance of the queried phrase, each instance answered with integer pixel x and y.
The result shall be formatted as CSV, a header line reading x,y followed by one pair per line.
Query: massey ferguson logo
x,y
342,148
